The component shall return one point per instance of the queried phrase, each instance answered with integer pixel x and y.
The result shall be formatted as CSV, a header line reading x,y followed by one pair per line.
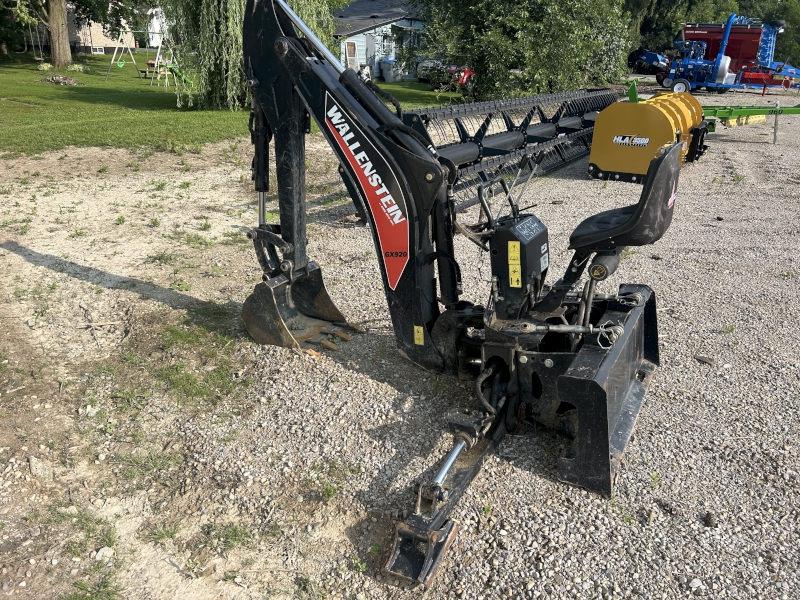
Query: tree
x,y
207,38
54,15
654,23
757,9
14,17
527,46
116,15
712,11
787,47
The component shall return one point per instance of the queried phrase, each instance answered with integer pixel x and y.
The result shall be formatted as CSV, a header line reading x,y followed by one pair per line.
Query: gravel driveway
x,y
316,459
706,502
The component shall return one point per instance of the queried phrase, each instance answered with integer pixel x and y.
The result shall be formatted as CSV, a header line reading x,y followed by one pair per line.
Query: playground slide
x,y
176,73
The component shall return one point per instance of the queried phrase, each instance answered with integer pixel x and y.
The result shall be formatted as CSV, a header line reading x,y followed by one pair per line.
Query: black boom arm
x,y
398,181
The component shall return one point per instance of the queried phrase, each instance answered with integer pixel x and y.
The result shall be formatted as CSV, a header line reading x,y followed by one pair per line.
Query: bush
x,y
44,66
78,68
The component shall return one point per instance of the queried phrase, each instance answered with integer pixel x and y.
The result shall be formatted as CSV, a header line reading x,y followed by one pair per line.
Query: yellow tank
x,y
628,135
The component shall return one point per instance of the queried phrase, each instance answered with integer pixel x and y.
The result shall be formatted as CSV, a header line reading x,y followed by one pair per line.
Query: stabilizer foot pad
x,y
416,556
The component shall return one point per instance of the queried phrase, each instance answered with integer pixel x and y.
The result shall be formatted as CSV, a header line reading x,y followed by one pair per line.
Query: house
x,y
90,38
371,32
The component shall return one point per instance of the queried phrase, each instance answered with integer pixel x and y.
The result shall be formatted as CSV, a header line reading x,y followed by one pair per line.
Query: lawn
x,y
419,95
122,112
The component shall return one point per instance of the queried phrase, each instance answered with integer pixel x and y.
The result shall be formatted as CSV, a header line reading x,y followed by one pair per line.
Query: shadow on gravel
x,y
574,171
211,315
145,290
738,141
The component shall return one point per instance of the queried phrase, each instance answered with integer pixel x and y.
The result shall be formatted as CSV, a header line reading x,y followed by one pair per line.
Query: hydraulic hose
x,y
485,374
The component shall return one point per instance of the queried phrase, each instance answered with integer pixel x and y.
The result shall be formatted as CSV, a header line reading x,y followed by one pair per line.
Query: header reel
x,y
562,354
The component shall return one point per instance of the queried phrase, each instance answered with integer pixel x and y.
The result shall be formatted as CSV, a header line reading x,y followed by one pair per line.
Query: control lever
x,y
537,159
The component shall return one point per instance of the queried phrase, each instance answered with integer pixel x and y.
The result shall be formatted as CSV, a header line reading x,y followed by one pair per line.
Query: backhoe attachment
x,y
563,354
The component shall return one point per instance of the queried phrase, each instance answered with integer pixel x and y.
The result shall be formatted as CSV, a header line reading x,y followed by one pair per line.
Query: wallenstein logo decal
x,y
379,186
631,140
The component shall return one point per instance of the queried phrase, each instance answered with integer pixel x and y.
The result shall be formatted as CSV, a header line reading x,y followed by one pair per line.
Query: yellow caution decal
x,y
514,265
419,336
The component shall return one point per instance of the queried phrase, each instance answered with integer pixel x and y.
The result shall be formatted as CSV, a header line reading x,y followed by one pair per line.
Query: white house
x,y
371,31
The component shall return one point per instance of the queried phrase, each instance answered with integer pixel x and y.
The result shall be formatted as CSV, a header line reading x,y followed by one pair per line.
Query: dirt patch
x,y
123,275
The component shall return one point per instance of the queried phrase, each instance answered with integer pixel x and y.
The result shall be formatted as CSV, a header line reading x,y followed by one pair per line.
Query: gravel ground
x,y
318,458
706,503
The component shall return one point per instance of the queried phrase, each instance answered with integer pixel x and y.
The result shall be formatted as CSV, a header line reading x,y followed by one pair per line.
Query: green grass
x,y
104,589
131,399
161,533
419,95
188,385
141,466
226,538
123,112
164,257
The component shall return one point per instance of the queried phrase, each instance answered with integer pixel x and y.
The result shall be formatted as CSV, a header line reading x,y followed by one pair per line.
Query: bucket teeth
x,y
328,345
328,338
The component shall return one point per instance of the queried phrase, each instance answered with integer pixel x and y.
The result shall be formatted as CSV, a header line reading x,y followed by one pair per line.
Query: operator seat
x,y
638,224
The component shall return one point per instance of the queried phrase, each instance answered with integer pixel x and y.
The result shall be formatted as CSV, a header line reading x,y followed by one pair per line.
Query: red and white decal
x,y
379,186
672,197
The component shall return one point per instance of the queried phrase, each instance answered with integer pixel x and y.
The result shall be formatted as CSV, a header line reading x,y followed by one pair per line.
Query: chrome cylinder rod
x,y
262,209
309,35
448,463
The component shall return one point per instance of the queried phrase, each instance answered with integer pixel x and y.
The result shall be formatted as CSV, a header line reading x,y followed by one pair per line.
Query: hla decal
x,y
378,184
631,140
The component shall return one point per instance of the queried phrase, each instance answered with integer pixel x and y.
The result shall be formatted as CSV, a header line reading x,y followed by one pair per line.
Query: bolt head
x,y
548,363
523,359
429,177
281,47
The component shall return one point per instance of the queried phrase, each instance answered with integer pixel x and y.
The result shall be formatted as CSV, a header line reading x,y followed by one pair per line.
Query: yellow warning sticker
x,y
515,276
419,336
513,253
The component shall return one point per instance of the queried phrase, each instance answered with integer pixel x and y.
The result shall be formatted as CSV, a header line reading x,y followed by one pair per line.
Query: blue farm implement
x,y
744,59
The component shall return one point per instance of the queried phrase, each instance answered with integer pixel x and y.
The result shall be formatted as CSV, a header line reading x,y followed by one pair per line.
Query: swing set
x,y
33,42
160,66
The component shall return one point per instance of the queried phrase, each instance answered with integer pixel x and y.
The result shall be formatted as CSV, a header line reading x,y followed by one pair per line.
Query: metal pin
x,y
775,129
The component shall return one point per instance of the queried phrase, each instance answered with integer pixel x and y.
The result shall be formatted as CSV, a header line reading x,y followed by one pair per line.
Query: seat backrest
x,y
653,214
651,217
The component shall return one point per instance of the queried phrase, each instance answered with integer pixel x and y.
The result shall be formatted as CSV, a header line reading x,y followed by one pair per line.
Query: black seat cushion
x,y
608,219
639,224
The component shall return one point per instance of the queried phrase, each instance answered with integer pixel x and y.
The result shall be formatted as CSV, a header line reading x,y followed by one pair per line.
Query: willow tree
x,y
206,36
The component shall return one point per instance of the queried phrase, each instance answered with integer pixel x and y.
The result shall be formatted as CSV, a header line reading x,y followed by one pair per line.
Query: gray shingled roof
x,y
363,15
